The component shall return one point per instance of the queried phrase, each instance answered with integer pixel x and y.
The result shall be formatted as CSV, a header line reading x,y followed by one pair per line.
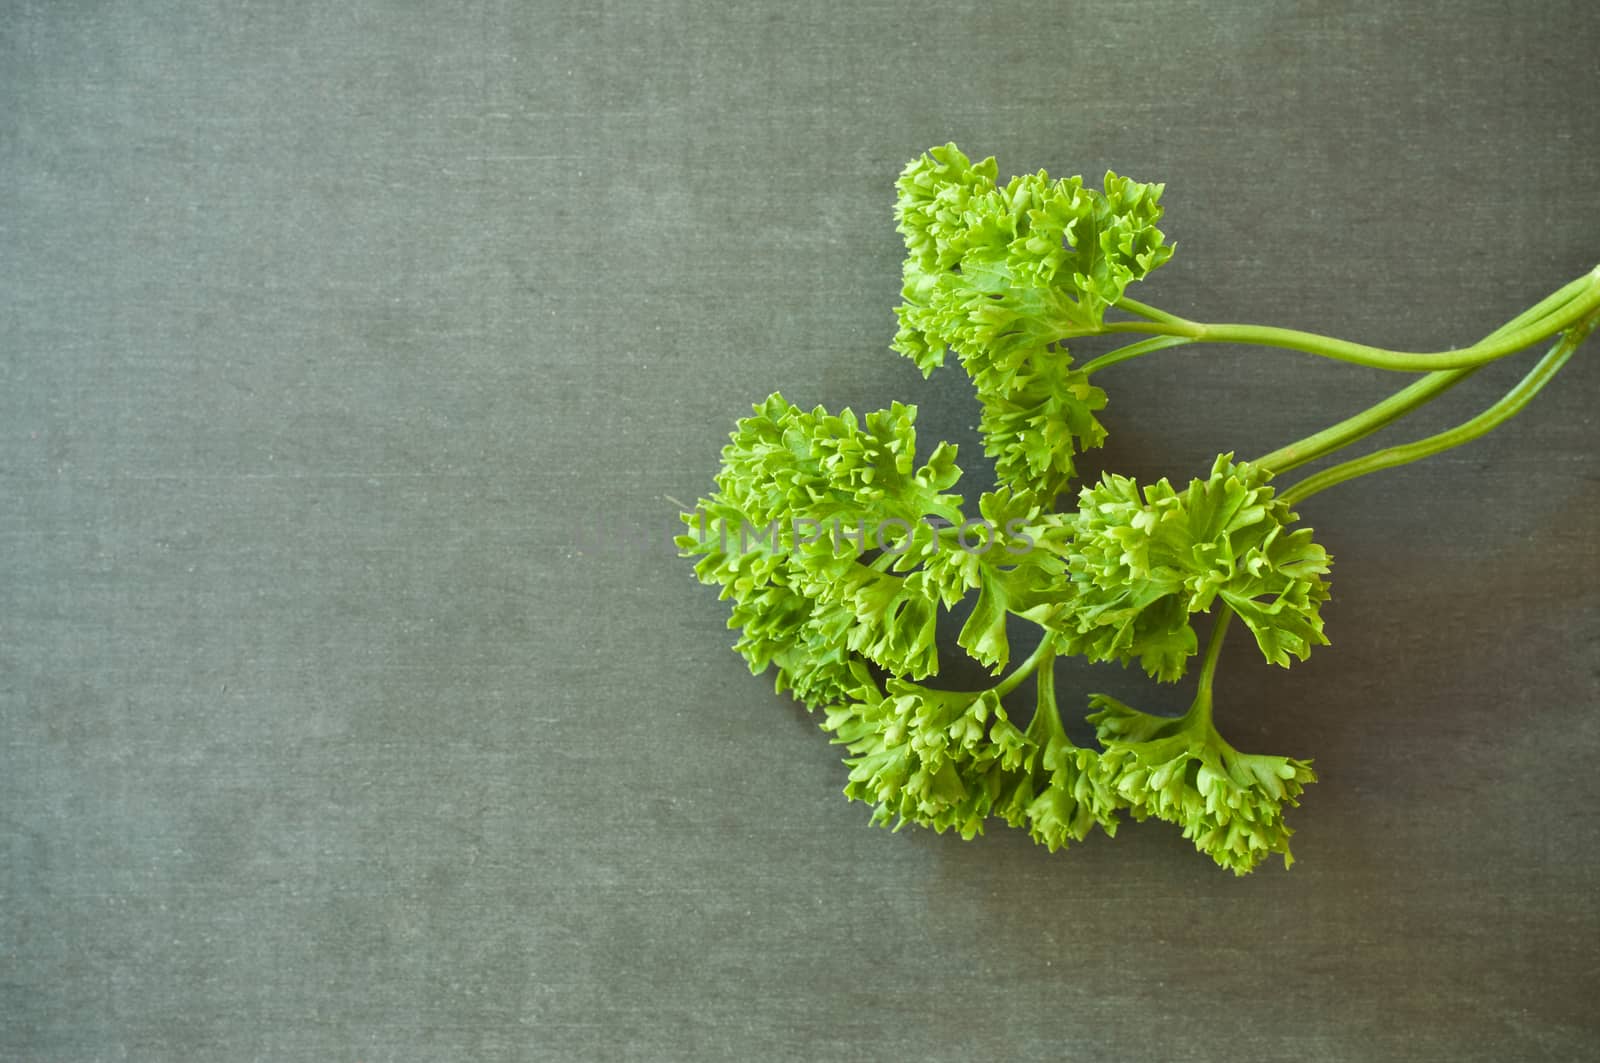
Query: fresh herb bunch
x,y
840,551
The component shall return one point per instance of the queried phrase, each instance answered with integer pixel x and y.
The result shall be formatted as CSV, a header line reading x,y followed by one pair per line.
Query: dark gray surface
x,y
352,706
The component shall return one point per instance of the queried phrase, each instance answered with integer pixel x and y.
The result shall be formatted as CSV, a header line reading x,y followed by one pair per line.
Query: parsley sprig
x,y
840,550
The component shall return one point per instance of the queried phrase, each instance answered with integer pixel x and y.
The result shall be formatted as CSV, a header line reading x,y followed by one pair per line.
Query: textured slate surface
x,y
352,706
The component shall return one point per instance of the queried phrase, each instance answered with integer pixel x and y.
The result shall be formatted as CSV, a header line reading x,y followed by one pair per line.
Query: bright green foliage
x,y
950,759
803,607
993,271
1230,804
1034,428
804,495
841,551
1145,559
932,757
1018,570
776,536
1065,789
781,628
787,463
1002,275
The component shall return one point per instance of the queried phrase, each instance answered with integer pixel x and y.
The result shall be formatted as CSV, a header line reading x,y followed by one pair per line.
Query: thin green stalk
x,y
1148,312
1404,401
1509,406
1478,354
1201,707
1046,716
1408,399
1045,651
1133,350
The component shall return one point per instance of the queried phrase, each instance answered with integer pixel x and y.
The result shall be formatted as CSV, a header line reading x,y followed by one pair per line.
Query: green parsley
x,y
840,549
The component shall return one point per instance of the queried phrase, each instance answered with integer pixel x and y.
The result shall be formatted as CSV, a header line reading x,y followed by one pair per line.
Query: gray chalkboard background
x,y
354,707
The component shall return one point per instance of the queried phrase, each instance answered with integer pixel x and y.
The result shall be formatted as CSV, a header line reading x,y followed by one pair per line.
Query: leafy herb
x,y
840,550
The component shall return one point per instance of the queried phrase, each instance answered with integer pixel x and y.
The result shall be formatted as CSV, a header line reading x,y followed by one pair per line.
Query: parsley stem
x,y
1408,399
1150,313
1045,650
1134,350
1481,353
1509,406
1404,401
1046,715
1201,707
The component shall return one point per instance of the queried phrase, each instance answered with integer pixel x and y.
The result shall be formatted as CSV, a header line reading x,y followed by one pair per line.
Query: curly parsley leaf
x,y
1146,558
932,757
1034,428
795,485
1002,275
1229,804
1065,790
